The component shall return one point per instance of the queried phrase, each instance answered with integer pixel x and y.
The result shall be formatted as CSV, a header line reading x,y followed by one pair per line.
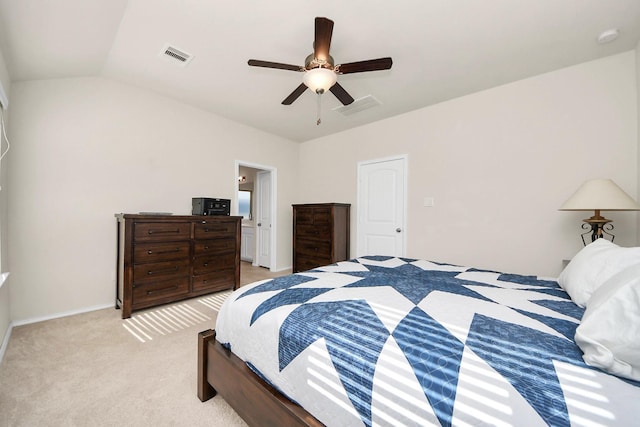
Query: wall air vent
x,y
358,105
175,55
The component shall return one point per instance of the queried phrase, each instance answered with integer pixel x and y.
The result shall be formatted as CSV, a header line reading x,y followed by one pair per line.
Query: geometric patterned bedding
x,y
395,341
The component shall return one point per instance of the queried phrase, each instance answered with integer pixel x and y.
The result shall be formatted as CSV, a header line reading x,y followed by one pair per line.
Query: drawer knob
x,y
155,291
166,270
177,230
150,252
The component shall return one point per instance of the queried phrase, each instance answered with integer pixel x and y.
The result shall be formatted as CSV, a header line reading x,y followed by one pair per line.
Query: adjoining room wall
x,y
87,148
499,163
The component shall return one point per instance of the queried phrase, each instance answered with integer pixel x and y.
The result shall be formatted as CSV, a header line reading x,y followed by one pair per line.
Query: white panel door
x,y
381,207
263,179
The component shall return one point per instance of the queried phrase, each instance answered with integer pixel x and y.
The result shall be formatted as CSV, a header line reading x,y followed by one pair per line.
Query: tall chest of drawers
x,y
320,234
166,258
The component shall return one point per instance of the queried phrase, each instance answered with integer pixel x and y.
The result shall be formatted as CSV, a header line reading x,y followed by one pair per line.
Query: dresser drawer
x,y
210,247
312,216
320,232
161,231
306,262
147,292
210,263
160,270
217,280
214,229
153,252
312,247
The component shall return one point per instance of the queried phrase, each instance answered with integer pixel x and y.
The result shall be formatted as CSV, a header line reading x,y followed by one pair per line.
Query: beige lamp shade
x,y
600,195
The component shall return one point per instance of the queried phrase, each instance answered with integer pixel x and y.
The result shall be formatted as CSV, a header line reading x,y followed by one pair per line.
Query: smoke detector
x,y
608,36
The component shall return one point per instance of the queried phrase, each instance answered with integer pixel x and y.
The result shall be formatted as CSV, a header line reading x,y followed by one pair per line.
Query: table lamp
x,y
599,195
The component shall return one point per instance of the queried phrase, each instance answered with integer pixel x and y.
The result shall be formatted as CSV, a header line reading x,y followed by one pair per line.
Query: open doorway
x,y
255,202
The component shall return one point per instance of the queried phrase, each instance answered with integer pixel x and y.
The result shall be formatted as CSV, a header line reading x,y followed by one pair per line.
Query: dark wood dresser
x,y
166,258
320,234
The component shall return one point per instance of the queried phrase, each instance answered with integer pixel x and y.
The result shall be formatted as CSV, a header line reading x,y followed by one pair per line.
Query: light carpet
x,y
91,370
155,323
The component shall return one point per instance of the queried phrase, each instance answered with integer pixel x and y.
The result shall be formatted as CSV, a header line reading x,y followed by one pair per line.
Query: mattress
x,y
396,341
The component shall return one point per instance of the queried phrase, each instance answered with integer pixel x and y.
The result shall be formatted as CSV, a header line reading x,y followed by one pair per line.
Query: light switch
x,y
428,201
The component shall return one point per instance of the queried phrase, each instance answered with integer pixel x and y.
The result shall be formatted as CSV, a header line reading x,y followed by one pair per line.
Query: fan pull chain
x,y
319,109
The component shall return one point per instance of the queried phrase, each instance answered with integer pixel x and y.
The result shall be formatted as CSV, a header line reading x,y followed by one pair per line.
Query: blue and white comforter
x,y
396,341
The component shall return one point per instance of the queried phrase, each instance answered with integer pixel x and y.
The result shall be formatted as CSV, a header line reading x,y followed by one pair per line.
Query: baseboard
x,y
62,314
273,270
5,341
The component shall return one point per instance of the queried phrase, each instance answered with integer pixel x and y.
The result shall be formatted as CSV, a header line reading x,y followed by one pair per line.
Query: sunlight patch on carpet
x,y
215,301
150,324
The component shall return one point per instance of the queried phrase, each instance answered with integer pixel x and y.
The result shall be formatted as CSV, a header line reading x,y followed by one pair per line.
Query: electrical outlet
x,y
428,201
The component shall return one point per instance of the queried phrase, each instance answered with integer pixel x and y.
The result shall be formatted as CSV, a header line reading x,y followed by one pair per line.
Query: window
x,y
244,204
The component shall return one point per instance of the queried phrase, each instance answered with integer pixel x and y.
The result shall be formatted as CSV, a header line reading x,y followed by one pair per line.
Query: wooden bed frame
x,y
257,402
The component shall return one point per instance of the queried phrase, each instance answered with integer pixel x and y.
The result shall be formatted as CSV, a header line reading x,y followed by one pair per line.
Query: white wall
x,y
4,290
86,148
638,104
499,163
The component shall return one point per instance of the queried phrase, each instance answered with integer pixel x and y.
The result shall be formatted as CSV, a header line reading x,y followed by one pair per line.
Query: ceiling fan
x,y
320,71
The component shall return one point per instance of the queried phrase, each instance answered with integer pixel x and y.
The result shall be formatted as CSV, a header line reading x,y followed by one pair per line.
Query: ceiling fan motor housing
x,y
312,62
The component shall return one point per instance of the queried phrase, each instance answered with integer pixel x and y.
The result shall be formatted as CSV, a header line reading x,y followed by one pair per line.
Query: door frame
x,y
405,183
273,174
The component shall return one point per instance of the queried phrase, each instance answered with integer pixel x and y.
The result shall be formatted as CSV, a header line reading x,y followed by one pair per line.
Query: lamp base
x,y
596,226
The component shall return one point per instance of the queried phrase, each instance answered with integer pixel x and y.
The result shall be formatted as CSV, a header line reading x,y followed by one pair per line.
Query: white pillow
x,y
592,266
609,333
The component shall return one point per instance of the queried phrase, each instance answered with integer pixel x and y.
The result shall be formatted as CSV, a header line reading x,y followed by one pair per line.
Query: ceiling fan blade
x,y
341,94
361,66
279,66
322,42
295,94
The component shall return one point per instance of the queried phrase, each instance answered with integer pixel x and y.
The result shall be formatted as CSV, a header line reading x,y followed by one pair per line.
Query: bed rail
x,y
257,402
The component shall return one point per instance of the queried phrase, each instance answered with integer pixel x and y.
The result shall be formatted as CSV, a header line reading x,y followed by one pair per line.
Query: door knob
x,y
398,230
259,224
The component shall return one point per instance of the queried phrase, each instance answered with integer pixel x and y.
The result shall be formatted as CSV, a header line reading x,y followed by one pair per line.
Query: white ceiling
x,y
441,49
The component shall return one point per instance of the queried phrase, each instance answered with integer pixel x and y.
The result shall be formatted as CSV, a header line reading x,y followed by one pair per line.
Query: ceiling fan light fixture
x,y
319,79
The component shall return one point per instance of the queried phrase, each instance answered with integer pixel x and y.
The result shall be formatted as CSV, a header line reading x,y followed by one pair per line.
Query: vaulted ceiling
x,y
441,49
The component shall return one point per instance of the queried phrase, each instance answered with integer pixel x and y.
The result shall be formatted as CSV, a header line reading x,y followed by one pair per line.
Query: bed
x,y
395,341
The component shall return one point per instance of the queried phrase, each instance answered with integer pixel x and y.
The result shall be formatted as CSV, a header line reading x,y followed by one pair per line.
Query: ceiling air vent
x,y
358,105
175,55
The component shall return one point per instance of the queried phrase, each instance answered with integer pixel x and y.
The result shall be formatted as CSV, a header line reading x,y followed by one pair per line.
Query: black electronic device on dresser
x,y
208,206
